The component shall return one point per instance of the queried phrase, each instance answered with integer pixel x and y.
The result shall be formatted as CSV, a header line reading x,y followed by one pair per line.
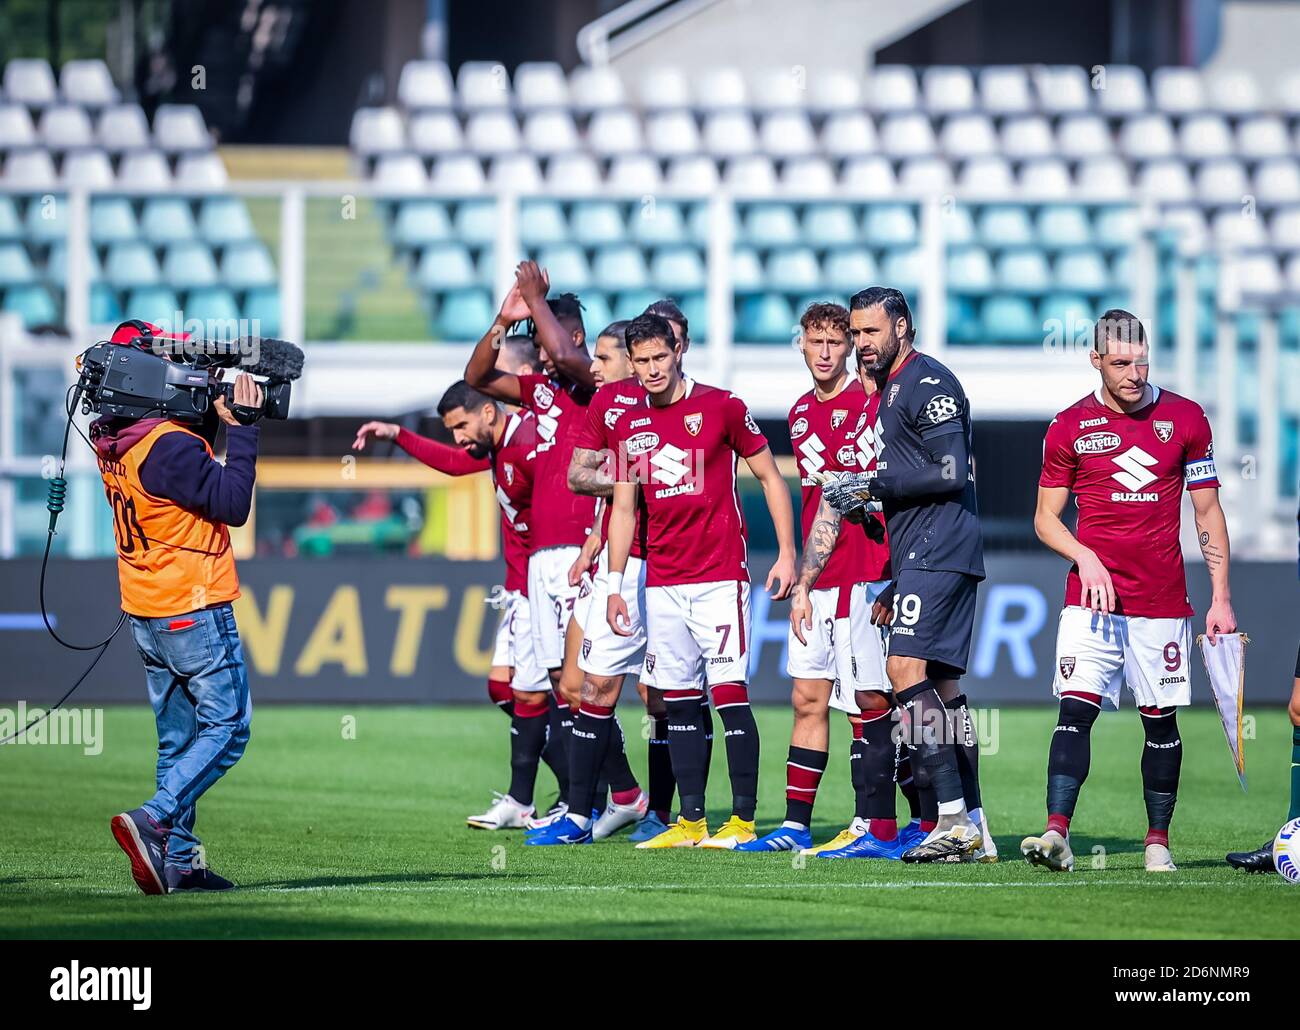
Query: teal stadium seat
x,y
957,224
56,265
1064,226
891,225
695,306
902,269
771,225
247,265
1004,226
1008,319
445,266
1024,270
1117,226
541,223
765,318
33,304
596,313
746,271
964,325
104,306
969,270
188,266
131,265
631,303
11,227
567,267
224,220
847,271
594,223
464,314
153,304
619,269
829,225
421,222
1082,270
700,222
476,222
15,266
794,270
1070,309
657,223
112,221
46,222
212,304
167,220
678,270
262,309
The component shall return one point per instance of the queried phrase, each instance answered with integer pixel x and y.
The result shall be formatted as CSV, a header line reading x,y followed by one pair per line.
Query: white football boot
x,y
505,813
1159,860
987,852
615,817
1051,851
553,815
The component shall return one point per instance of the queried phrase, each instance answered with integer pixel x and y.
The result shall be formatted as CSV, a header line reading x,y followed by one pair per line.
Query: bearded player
x,y
679,448
1126,451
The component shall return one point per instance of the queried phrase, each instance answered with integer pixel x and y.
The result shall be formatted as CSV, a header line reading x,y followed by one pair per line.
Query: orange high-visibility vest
x,y
169,560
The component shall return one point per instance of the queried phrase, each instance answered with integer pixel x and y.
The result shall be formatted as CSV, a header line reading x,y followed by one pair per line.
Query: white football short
x,y
693,623
604,652
848,651
1097,653
550,602
514,647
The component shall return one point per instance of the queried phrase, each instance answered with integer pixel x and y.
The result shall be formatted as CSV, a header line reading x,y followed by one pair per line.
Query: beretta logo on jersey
x,y
642,443
1067,667
847,455
838,416
799,428
612,416
543,396
693,422
1097,443
1164,429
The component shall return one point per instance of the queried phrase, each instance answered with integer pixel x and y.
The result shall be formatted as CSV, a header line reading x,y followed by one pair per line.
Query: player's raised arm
x,y
622,524
571,359
481,371
777,495
1212,535
1098,592
444,457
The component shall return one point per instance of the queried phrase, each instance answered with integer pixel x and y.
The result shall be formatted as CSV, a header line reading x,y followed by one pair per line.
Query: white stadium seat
x,y
1230,230
424,85
145,169
1204,136
833,90
672,133
573,173
200,172
907,135
28,170
29,80
435,132
1188,223
1045,179
492,132
986,177
664,88
1146,137
1177,90
750,175
892,88
721,88
1261,137
1222,181
399,173
1232,92
635,173
125,128
1103,178
87,168
483,85
1259,273
1004,90
1277,181
519,172
1291,272
1164,180
1288,92
16,128
180,128
925,176
730,134
695,174
1284,228
87,83
947,90
1080,136
595,89
848,133
968,135
65,127
1030,136
550,132
1124,91
1063,89
456,173
615,131
375,130
787,134
541,85
779,89
872,176
808,176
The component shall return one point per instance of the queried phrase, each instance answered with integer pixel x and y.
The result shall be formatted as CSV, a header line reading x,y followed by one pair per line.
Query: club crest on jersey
x,y
612,416
799,428
1067,667
694,422
543,396
893,392
838,416
1164,429
509,470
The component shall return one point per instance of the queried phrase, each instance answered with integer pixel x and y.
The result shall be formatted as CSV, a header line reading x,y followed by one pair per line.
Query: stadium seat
x,y
658,222
46,220
453,174
492,132
846,271
787,134
11,227
518,172
435,132
89,169
1187,223
746,270
33,304
1231,231
1124,90
104,306
890,225
1262,136
1177,90
1283,228
1259,274
420,222
1029,136
847,134
832,90
247,266
65,127
1292,273
721,88
957,224
1063,225
677,270
1277,181
947,89
212,304
189,265
636,173
695,307
1204,136
1082,270
794,270
573,173
1146,137
924,176
616,268
1045,179
969,270
870,176
892,88
664,88
180,129
765,318
540,86
1221,181
968,135
153,304
1232,91
376,130
56,265
550,132
986,177
907,135
30,81
1117,227
1010,319
122,128
1062,89
829,225
88,84
425,85
568,268
672,133
145,170
596,222
1288,93
541,222
130,265
476,222
401,173
167,220
776,89
615,131
1004,90
483,85
464,313
1082,136
729,134
700,221
1069,310
224,220
112,220
15,266
596,313
1103,178
753,175
632,303
595,89
904,268
445,266
1023,270
964,324
28,170
807,177
16,127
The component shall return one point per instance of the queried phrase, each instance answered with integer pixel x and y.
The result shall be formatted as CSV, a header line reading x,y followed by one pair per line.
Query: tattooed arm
x,y
1212,535
822,535
590,473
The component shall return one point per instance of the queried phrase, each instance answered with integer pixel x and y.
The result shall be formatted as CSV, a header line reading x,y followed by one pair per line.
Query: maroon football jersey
x,y
560,517
607,406
512,474
1127,472
684,456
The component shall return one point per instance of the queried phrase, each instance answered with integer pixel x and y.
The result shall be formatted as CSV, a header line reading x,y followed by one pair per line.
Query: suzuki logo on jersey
x,y
869,445
1133,473
670,466
1097,443
838,416
612,416
1164,429
799,428
812,450
694,423
507,508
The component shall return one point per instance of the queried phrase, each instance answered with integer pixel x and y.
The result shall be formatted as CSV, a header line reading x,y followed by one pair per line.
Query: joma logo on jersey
x,y
1097,443
637,423
624,400
1134,465
1088,423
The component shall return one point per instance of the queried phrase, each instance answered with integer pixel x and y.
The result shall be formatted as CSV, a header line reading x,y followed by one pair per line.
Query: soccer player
x,y
561,520
1126,451
678,449
926,487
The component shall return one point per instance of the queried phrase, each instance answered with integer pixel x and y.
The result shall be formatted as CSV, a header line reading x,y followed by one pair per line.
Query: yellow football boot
x,y
841,840
684,833
731,834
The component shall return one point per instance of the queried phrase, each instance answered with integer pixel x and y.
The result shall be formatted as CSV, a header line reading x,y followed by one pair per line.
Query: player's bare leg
x,y
927,733
968,762
1068,761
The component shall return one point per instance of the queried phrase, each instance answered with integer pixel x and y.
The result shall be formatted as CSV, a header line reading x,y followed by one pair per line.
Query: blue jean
x,y
198,686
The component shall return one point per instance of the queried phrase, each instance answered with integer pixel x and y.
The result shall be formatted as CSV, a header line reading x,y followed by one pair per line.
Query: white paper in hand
x,y
1225,662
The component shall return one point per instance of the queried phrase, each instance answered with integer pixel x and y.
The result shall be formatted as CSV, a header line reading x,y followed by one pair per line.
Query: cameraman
x,y
172,502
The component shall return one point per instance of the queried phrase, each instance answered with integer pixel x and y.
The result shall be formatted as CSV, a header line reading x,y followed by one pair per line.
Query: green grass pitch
x,y
332,837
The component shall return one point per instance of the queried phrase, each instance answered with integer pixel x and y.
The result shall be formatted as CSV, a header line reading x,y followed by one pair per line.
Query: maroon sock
x,y
884,829
1157,837
1059,823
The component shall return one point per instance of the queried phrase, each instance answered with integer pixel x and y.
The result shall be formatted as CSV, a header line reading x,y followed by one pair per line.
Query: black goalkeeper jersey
x,y
921,403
